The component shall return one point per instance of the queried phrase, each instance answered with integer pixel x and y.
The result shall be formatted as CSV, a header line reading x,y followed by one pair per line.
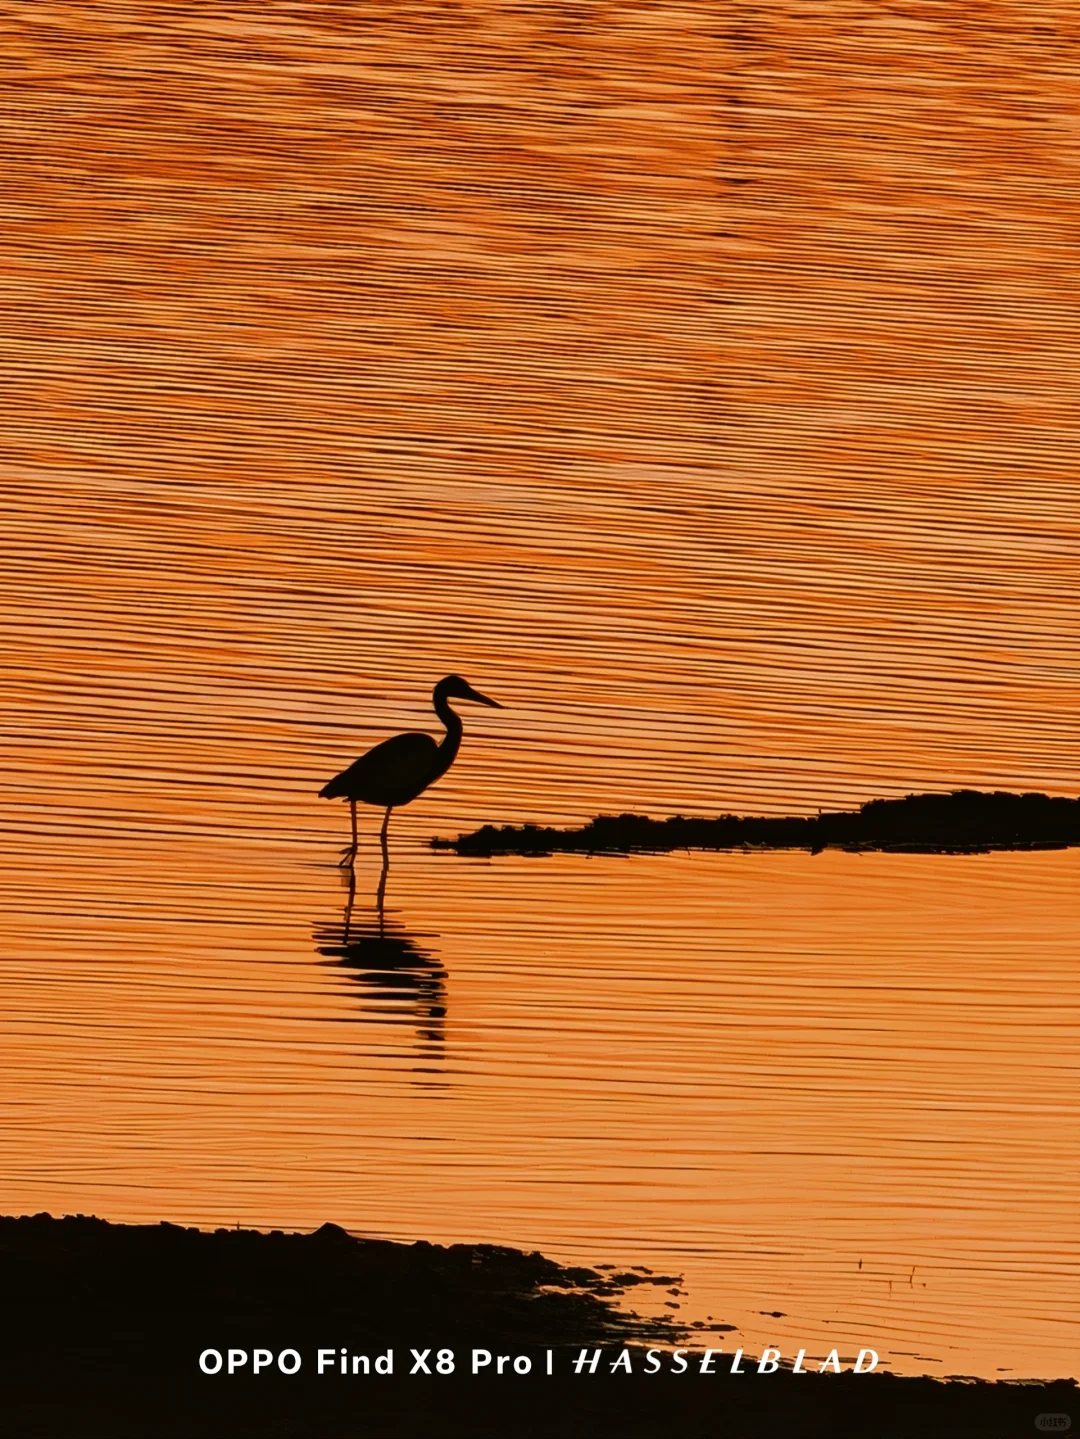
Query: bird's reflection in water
x,y
403,982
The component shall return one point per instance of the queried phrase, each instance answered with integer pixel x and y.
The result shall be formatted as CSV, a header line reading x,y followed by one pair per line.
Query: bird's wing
x,y
390,768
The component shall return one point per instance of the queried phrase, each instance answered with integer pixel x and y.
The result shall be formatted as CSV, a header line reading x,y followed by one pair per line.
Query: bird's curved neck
x,y
452,739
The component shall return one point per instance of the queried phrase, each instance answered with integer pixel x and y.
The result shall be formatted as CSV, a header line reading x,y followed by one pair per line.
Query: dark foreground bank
x,y
964,822
106,1325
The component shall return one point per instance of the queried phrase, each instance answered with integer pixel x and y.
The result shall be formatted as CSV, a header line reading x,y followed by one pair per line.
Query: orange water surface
x,y
699,381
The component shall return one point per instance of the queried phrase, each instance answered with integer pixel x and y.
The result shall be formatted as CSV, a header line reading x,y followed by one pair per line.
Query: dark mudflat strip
x,y
964,822
106,1324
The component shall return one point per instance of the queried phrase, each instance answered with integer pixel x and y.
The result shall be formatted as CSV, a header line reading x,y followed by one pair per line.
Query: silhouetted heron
x,y
399,769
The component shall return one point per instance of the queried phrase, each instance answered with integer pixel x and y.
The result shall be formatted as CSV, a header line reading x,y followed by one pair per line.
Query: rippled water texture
x,y
701,383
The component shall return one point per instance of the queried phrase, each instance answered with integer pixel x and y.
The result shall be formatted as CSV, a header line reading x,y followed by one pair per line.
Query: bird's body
x,y
391,774
399,769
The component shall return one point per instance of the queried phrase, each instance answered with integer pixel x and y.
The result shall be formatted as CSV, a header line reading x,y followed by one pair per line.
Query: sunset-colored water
x,y
700,384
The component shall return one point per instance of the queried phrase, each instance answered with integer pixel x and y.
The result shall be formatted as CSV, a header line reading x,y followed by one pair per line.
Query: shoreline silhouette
x,y
113,1320
958,822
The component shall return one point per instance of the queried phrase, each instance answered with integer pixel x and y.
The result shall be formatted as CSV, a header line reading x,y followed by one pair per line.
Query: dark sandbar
x,y
963,822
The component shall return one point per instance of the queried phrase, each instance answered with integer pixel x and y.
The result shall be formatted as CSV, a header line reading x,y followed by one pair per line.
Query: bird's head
x,y
453,687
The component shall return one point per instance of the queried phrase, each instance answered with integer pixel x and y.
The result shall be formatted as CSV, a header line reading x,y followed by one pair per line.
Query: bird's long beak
x,y
482,699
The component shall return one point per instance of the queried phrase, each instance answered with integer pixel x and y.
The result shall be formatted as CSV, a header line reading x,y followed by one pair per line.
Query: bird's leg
x,y
350,853
349,905
381,896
